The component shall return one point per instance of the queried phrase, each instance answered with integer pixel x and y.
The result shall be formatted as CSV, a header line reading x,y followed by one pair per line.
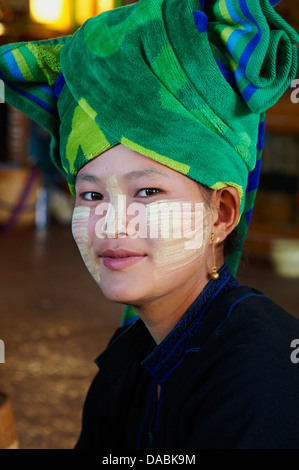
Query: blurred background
x,y
53,318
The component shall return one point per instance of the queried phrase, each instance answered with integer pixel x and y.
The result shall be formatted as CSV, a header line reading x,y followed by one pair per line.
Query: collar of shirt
x,y
136,344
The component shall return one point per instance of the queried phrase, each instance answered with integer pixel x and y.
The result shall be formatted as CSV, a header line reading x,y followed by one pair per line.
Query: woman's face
x,y
143,229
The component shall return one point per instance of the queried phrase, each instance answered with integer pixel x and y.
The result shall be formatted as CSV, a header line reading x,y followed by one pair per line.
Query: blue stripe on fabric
x,y
254,177
238,73
251,46
46,88
273,2
202,4
18,76
234,38
248,216
13,66
201,21
129,321
261,136
59,84
249,92
237,34
31,97
235,17
228,75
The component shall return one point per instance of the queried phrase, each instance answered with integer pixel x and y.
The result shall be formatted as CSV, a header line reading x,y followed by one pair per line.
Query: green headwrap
x,y
185,83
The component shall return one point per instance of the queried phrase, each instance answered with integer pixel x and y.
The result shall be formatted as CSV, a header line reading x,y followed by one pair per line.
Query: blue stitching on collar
x,y
197,320
167,356
237,301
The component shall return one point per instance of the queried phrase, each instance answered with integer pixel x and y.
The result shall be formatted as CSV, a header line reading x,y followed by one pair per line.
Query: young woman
x,y
207,365
160,138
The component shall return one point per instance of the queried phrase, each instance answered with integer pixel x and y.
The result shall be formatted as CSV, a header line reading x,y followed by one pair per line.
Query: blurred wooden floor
x,y
54,322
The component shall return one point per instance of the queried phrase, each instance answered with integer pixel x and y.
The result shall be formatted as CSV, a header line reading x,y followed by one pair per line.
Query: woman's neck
x,y
161,315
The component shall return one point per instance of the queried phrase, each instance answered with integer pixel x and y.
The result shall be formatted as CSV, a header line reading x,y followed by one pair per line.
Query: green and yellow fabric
x,y
186,83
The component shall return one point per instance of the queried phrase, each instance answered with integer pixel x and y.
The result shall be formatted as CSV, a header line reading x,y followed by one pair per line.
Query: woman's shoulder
x,y
254,331
253,353
247,306
248,331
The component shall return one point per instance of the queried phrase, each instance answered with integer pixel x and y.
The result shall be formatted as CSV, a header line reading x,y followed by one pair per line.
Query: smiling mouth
x,y
118,259
119,254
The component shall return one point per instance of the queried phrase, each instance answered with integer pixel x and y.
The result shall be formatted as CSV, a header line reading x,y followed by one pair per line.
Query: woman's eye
x,y
147,192
91,196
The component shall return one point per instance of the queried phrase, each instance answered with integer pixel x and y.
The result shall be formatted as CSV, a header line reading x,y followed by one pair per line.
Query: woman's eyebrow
x,y
145,172
128,176
88,177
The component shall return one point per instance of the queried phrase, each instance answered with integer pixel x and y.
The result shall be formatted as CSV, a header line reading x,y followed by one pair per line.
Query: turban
x,y
185,83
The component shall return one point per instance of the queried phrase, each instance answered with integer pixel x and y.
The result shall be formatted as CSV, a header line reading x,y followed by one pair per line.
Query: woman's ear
x,y
227,205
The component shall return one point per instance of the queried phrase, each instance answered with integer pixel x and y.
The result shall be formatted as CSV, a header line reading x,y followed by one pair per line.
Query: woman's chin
x,y
121,295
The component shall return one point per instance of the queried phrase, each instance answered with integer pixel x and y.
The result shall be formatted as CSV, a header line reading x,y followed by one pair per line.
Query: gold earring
x,y
214,274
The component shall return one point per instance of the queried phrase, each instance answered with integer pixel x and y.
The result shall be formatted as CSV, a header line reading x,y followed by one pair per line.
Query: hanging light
x,y
104,5
66,15
2,31
55,13
84,9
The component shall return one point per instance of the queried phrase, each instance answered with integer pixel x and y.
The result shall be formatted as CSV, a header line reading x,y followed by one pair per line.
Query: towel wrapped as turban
x,y
186,83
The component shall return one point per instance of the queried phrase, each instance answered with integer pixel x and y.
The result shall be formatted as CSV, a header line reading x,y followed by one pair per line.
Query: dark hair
x,y
232,243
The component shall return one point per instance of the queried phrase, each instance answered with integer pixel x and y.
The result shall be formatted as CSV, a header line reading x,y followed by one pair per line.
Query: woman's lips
x,y
117,259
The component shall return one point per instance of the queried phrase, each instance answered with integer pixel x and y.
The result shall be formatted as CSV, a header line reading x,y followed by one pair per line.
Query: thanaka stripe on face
x,y
80,222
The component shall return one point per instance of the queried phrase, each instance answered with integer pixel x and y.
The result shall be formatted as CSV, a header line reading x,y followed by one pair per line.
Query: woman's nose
x,y
114,223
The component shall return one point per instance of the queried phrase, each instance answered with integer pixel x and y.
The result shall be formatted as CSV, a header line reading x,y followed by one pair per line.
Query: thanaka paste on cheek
x,y
80,223
179,233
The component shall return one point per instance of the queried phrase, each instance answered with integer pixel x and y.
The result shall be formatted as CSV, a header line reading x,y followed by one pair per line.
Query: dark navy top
x,y
227,373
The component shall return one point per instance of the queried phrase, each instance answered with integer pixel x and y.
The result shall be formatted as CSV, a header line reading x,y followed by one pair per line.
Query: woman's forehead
x,y
124,163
